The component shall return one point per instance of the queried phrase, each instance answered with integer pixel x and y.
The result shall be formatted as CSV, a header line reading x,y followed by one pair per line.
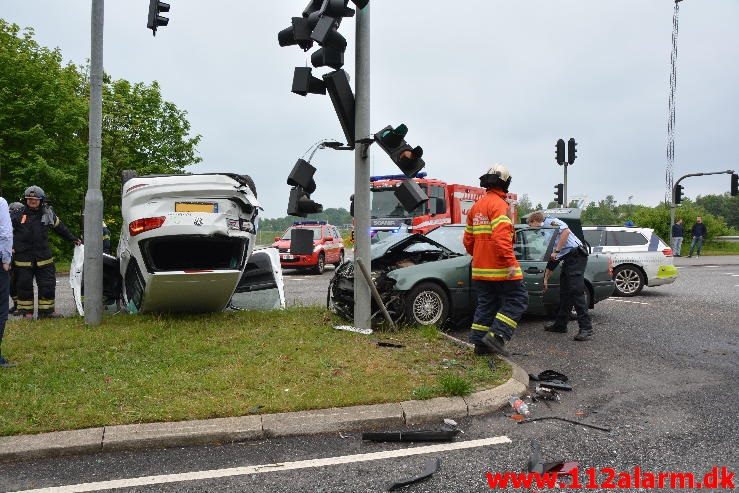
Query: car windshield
x,y
316,232
533,244
450,237
386,204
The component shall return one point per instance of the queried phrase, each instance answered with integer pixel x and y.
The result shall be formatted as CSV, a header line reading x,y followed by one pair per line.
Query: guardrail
x,y
727,238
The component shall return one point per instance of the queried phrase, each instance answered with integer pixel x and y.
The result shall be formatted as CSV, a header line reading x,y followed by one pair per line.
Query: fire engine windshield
x,y
385,204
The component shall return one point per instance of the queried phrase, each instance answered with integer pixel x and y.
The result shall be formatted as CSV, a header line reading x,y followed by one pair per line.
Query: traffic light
x,y
678,194
407,158
560,154
297,34
571,151
302,176
155,18
300,203
342,97
559,190
734,184
410,195
304,82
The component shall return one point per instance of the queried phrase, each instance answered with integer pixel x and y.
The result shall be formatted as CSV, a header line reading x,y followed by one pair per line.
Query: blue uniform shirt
x,y
6,233
572,240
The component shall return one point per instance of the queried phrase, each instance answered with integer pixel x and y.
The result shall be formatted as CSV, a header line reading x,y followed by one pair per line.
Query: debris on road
x,y
349,328
431,467
448,431
542,418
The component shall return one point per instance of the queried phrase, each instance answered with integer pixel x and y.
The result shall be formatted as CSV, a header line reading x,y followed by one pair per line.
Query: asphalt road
x,y
661,373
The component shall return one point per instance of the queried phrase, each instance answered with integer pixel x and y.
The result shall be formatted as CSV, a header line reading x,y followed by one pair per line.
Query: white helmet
x,y
497,176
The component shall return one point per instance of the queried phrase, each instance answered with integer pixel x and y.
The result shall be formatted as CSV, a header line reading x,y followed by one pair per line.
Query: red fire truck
x,y
448,204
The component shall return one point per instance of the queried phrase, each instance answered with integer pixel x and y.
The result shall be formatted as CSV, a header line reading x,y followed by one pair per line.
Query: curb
x,y
239,429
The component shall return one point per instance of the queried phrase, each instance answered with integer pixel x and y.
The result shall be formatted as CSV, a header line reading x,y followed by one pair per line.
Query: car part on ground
x,y
432,465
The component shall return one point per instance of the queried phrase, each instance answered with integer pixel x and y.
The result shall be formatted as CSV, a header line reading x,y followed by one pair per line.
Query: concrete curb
x,y
228,430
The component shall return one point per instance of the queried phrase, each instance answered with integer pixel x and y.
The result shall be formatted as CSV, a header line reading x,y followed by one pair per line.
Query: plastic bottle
x,y
518,405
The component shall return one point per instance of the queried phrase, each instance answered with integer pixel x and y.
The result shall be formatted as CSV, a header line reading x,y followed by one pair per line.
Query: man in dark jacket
x,y
677,237
699,232
32,257
16,210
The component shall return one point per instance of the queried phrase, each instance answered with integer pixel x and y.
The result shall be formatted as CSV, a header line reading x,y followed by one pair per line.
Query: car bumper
x,y
666,274
288,261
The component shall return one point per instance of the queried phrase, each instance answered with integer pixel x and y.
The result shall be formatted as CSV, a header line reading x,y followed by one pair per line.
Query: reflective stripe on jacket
x,y
489,237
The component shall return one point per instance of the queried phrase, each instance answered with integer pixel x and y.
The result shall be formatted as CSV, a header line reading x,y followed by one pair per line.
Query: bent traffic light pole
x,y
673,204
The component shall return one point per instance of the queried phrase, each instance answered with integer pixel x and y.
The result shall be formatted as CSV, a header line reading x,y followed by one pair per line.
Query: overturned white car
x,y
187,245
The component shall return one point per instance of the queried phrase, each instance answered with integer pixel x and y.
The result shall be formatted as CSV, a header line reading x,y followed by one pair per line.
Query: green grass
x,y
135,369
716,248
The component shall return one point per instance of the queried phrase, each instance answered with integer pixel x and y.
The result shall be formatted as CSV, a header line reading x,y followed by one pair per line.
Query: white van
x,y
640,257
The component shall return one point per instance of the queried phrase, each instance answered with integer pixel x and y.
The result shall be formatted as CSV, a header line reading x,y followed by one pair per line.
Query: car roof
x,y
617,228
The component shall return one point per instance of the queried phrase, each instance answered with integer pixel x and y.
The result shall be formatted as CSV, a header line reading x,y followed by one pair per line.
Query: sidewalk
x,y
706,260
257,427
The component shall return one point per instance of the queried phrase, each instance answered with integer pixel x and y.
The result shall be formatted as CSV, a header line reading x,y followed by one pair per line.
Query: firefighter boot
x,y
555,327
584,334
495,343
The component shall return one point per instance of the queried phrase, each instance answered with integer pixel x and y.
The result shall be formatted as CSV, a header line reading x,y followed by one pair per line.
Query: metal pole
x,y
93,263
564,189
375,293
362,303
673,205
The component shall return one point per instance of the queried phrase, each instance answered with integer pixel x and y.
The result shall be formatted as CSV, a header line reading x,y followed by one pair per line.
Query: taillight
x,y
610,267
667,252
145,224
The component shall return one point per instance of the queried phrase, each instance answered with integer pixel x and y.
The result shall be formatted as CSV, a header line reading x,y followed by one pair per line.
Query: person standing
x,y
699,232
497,279
573,256
16,208
6,257
677,237
33,258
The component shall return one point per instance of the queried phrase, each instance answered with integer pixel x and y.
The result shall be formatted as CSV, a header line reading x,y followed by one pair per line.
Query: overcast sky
x,y
480,82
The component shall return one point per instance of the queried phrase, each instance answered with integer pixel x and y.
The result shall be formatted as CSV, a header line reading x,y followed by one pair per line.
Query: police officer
x,y
496,275
32,253
15,209
570,252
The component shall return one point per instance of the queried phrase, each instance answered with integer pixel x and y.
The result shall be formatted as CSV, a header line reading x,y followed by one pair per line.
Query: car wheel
x,y
251,184
629,280
321,265
341,259
426,304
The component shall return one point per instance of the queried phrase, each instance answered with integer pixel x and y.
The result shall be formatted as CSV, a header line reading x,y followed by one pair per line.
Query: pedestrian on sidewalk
x,y
571,253
497,279
699,232
6,257
677,237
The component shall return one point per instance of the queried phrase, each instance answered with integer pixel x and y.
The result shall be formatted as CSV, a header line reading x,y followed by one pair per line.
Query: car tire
x,y
629,280
321,264
127,174
426,304
251,184
341,260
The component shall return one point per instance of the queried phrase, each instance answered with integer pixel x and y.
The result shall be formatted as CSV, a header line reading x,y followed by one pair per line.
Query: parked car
x,y
328,247
640,257
427,279
186,245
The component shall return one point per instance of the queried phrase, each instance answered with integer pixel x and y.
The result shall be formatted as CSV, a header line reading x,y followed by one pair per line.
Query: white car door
x,y
261,286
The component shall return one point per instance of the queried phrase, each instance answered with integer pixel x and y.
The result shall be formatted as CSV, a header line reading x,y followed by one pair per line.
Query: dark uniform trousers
x,y
572,290
4,288
500,305
45,274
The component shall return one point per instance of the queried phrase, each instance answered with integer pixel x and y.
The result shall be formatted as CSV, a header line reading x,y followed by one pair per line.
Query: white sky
x,y
483,81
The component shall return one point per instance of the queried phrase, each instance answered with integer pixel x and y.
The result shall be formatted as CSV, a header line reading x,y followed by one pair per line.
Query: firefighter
x,y
570,252
16,208
33,257
496,275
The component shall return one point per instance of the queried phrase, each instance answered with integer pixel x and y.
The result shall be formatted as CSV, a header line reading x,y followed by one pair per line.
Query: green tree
x,y
524,205
724,205
602,213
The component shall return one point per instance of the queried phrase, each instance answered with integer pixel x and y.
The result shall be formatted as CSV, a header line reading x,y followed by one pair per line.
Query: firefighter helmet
x,y
15,207
34,192
497,176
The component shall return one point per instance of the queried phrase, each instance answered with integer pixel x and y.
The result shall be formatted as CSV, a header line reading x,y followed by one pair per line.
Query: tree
x,y
601,214
524,205
724,205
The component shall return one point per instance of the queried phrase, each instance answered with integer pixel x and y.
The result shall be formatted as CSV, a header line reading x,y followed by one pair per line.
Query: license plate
x,y
287,257
195,207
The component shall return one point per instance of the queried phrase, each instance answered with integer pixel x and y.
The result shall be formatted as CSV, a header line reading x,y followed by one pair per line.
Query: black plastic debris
x,y
542,418
411,436
431,467
535,464
546,393
389,344
552,379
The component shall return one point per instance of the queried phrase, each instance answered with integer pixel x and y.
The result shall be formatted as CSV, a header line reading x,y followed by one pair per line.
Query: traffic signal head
x,y
734,184
571,151
302,176
297,34
351,205
410,195
342,97
304,82
560,152
678,194
155,19
559,193
407,158
300,204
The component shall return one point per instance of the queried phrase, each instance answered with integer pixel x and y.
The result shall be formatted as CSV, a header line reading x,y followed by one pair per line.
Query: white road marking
x,y
627,301
266,468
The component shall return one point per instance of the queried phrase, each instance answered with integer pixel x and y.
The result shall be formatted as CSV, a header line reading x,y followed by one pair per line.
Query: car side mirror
x,y
277,238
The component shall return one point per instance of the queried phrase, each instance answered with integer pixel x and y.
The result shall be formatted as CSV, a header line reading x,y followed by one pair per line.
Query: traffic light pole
x,y
673,205
93,262
564,188
362,299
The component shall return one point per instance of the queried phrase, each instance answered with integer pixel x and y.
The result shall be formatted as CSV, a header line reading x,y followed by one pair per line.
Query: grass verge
x,y
716,248
136,369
